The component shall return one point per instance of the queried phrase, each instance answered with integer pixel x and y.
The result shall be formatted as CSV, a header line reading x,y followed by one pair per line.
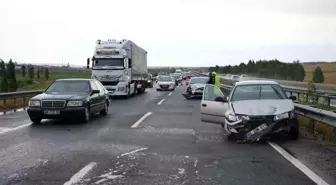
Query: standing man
x,y
211,78
217,83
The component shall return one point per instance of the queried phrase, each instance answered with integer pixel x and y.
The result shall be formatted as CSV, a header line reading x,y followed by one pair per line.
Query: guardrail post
x,y
14,101
4,102
312,126
24,100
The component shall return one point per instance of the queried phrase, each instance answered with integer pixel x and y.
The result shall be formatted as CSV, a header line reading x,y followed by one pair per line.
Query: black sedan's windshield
x,y
257,92
199,80
69,86
165,79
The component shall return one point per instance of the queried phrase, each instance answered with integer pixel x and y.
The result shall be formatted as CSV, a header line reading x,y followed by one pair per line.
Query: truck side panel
x,y
139,61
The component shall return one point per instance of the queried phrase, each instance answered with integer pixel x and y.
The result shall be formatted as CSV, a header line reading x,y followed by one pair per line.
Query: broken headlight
x,y
281,116
233,118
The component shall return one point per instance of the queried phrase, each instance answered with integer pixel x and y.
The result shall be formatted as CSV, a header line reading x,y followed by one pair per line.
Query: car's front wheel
x,y
36,120
104,112
87,114
293,133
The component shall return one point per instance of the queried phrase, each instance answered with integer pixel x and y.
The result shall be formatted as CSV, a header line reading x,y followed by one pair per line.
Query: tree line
x,y
266,69
8,82
271,69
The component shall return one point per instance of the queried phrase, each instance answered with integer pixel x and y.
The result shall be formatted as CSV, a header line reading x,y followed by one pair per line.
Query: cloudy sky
x,y
174,32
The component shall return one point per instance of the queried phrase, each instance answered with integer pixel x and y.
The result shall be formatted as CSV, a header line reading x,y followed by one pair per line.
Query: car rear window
x,y
199,80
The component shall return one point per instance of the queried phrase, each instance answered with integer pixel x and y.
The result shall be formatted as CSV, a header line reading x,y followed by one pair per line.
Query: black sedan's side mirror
x,y
95,92
292,97
221,99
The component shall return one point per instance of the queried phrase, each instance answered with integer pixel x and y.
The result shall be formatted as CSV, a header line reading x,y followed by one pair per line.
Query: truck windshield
x,y
109,62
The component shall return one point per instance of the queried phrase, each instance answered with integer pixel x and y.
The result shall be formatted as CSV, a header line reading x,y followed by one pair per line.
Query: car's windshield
x,y
198,80
256,92
164,78
69,86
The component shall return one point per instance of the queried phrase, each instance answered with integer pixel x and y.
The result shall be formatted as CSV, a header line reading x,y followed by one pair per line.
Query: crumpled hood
x,y
262,107
196,86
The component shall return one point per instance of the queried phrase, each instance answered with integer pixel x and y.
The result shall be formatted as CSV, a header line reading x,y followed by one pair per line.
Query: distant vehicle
x,y
121,66
178,71
165,83
243,76
253,109
150,81
234,77
196,86
70,98
178,77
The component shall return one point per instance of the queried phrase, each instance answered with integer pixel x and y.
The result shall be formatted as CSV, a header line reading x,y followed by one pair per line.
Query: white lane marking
x,y
134,151
160,102
310,174
170,94
79,175
141,119
5,130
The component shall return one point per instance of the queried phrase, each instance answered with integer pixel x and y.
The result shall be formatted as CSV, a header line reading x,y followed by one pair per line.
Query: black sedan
x,y
70,98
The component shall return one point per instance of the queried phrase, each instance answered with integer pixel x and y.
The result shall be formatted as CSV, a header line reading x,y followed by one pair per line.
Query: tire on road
x,y
294,133
36,120
104,112
87,114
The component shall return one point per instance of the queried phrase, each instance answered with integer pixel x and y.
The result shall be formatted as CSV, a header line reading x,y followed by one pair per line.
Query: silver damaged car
x,y
253,109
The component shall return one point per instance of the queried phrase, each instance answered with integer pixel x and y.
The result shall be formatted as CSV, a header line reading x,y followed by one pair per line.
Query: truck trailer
x,y
121,66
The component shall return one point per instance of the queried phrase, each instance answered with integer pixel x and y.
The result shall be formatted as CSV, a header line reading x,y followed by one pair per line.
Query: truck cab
x,y
120,66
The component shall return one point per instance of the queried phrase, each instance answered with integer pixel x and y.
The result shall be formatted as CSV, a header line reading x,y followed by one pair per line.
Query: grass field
x,y
329,71
26,83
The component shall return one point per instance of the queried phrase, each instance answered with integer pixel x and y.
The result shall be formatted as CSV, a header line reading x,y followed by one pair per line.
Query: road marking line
x,y
79,175
160,102
134,151
141,119
5,130
310,174
170,93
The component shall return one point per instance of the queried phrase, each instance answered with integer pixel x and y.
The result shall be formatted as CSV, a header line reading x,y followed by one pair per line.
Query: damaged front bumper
x,y
257,127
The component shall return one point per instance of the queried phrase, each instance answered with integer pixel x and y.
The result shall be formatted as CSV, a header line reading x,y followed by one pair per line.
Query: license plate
x,y
165,86
199,91
256,130
52,112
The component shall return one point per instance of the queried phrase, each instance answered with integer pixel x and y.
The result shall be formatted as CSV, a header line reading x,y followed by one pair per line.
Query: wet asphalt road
x,y
171,146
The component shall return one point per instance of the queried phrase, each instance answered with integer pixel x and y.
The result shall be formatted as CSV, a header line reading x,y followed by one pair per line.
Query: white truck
x,y
121,66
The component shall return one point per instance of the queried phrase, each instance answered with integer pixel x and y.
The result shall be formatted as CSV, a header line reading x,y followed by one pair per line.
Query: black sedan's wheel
x,y
87,114
36,120
104,112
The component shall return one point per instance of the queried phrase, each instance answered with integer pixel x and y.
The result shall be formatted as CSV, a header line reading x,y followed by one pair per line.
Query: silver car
x,y
165,83
252,110
195,87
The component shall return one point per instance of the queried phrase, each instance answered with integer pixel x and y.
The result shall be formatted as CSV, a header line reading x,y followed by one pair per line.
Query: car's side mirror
x,y
292,97
95,92
221,99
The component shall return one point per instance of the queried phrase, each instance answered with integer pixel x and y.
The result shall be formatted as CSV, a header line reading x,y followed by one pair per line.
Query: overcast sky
x,y
174,32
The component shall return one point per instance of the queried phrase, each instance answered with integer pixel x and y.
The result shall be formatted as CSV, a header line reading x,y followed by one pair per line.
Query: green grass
x,y
25,84
37,84
327,132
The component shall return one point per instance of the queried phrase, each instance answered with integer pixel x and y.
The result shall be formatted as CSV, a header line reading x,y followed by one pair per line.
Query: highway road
x,y
154,138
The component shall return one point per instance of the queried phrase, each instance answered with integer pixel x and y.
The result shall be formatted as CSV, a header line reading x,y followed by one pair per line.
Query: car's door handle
x,y
204,105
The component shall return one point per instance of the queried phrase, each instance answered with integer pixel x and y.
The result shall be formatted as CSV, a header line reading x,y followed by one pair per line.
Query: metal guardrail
x,y
15,96
319,96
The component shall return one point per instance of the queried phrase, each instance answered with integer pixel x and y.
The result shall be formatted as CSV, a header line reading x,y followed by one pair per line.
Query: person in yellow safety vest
x,y
217,84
